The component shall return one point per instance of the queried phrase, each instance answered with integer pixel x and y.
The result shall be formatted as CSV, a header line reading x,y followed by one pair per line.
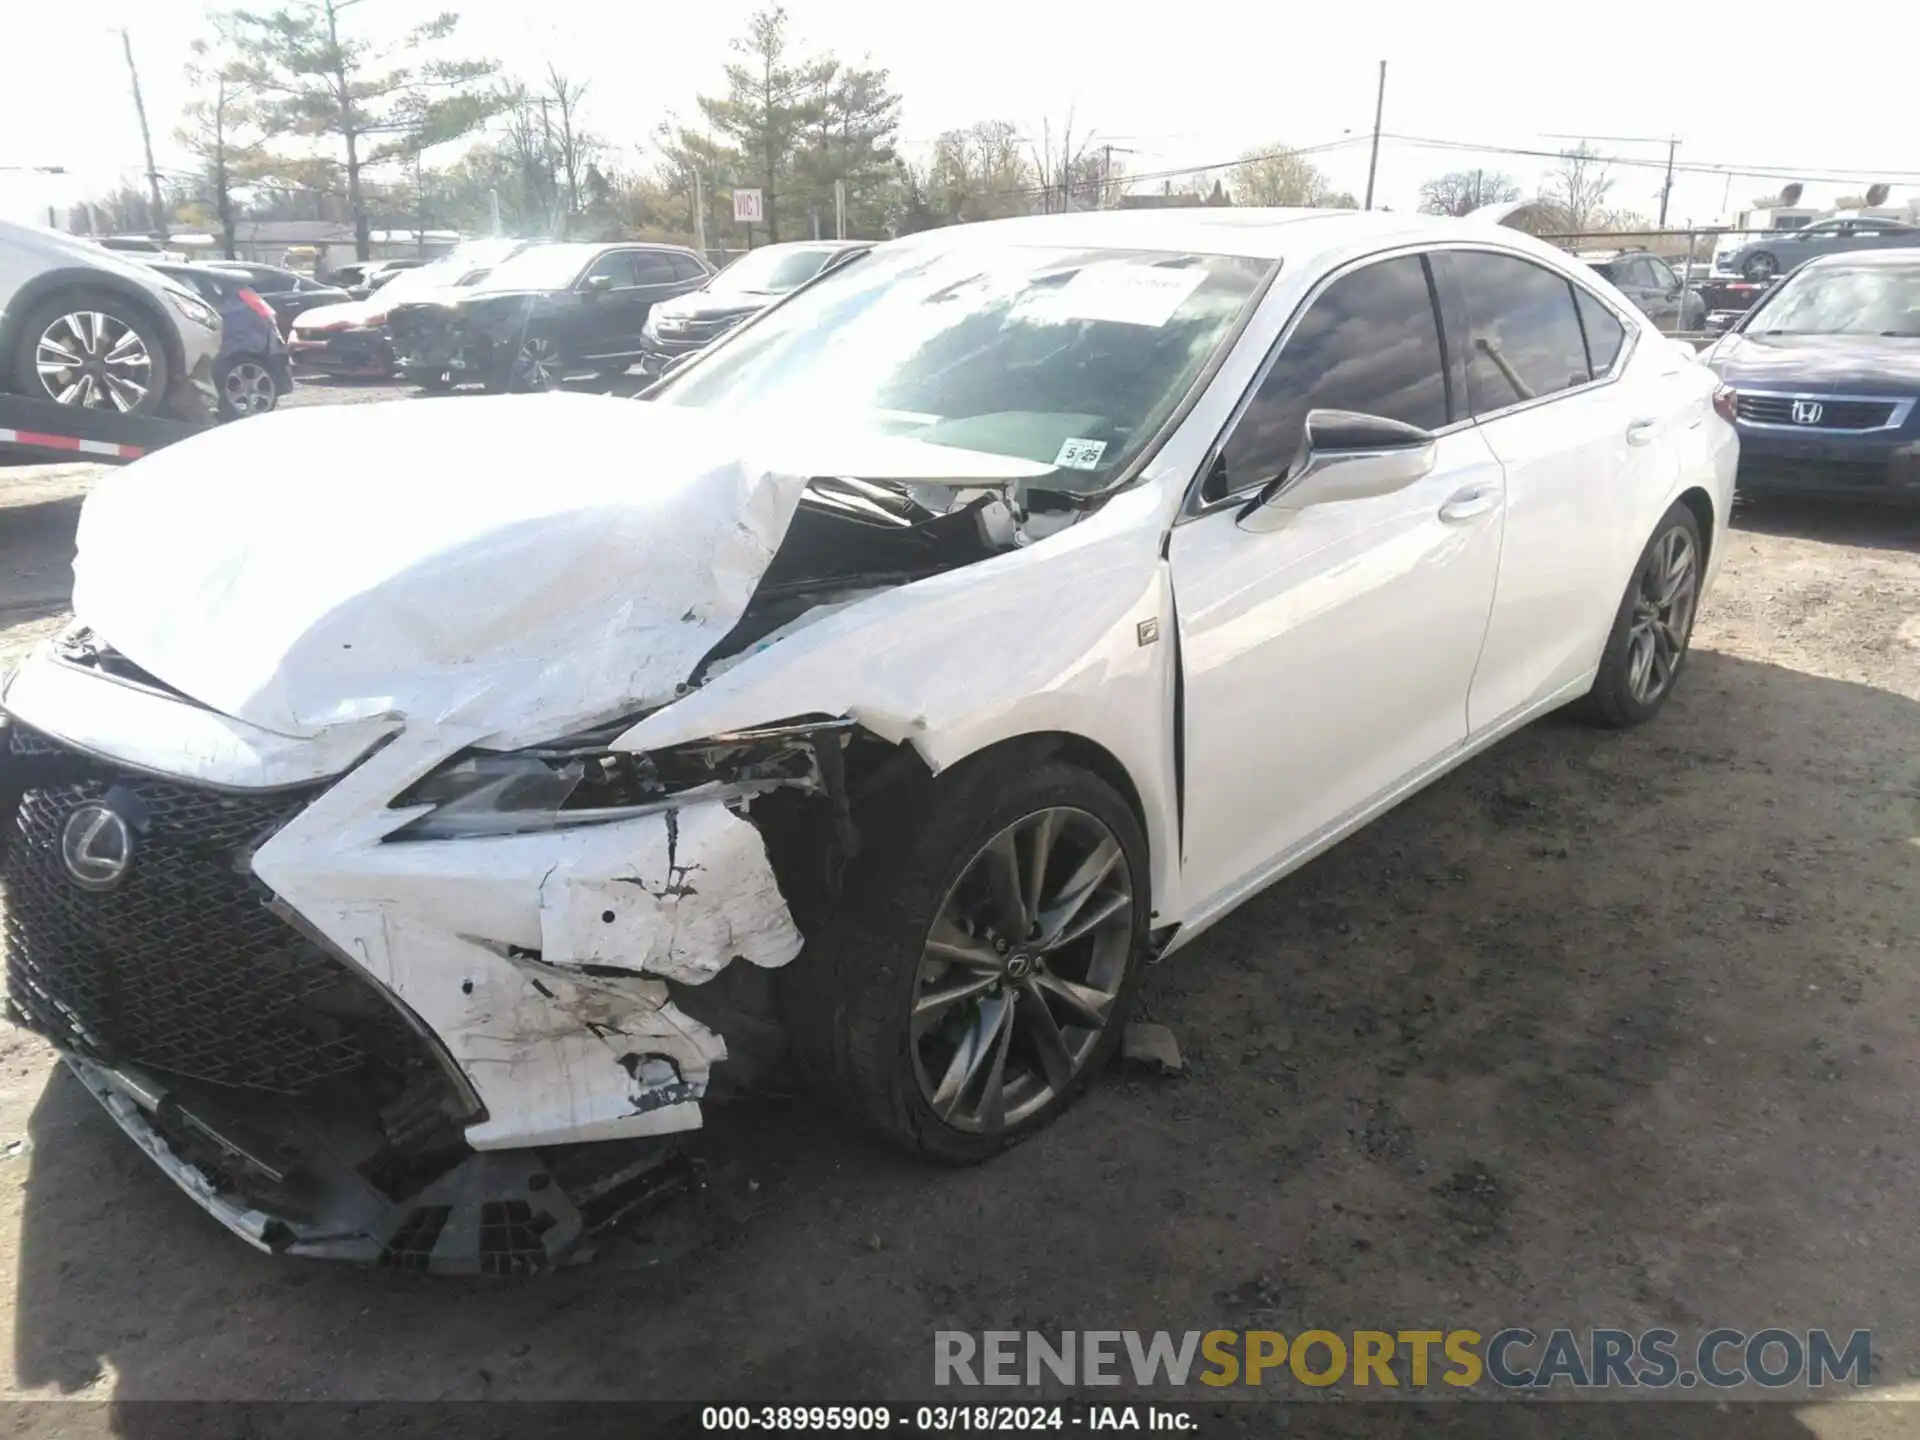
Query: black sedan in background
x,y
286,293
549,312
745,288
1825,371
252,369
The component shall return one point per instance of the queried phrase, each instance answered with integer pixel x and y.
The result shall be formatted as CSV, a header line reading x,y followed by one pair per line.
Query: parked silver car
x,y
80,325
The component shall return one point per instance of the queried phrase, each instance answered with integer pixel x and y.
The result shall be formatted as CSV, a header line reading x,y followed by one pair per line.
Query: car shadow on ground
x,y
1604,1029
1876,526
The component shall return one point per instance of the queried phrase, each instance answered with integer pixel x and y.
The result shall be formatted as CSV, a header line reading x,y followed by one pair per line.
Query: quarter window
x,y
1523,337
1605,334
1369,343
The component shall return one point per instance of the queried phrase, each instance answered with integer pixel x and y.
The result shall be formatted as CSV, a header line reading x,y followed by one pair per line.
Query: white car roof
x,y
1230,230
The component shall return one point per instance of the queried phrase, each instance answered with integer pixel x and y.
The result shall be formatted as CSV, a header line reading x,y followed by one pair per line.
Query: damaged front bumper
x,y
346,1046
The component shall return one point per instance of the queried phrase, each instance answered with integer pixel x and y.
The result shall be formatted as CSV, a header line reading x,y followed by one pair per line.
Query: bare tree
x,y
1461,192
1578,187
219,130
1278,175
574,150
1068,169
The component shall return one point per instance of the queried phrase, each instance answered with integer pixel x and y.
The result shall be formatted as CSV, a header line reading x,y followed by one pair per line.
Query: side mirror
x,y
1348,456
596,285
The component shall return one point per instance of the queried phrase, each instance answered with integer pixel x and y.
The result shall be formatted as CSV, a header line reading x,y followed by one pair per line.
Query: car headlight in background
x,y
581,781
195,309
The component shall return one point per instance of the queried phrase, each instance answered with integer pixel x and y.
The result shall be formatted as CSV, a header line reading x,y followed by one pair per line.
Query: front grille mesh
x,y
1833,414
181,967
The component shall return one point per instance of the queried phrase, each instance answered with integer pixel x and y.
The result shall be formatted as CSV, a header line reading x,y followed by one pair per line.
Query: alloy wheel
x,y
94,360
249,389
1022,969
537,367
1669,583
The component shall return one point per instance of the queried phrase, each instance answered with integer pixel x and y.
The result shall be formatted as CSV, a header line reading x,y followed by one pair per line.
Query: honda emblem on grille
x,y
1807,412
96,846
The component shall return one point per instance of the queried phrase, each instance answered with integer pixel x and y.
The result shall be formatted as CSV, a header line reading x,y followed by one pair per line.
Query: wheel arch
x,y
77,277
1696,499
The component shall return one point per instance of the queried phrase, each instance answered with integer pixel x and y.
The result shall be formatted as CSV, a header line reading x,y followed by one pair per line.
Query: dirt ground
x,y
1603,1029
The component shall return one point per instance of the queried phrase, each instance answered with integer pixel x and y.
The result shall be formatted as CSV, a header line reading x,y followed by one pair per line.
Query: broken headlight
x,y
583,781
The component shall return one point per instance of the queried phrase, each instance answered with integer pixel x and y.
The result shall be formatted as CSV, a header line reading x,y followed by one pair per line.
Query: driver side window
x,y
1370,343
618,264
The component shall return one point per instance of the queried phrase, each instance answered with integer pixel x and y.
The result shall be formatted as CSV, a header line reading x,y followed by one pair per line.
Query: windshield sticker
x,y
1122,293
1080,455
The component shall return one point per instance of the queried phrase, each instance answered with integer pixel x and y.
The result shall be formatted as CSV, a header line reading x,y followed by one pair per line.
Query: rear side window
x,y
1604,332
652,267
1523,333
685,267
1369,343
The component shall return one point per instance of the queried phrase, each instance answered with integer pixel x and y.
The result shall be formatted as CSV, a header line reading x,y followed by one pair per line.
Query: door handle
x,y
1641,431
1467,503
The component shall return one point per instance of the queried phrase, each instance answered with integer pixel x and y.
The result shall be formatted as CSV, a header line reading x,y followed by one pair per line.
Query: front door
x,y
1327,657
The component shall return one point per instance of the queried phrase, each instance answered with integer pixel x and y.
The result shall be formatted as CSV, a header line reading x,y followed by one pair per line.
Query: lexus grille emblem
x,y
1807,412
96,845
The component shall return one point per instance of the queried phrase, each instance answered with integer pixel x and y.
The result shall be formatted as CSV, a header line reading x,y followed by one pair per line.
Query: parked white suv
x,y
81,325
405,848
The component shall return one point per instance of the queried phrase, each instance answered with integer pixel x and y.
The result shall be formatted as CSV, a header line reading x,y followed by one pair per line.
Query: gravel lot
x,y
1603,1029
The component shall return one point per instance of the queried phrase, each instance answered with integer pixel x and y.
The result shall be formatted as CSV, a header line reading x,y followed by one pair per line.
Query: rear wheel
x,y
247,387
1761,267
1651,630
91,349
980,977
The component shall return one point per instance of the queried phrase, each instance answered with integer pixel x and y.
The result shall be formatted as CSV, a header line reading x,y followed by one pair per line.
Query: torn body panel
x,y
539,960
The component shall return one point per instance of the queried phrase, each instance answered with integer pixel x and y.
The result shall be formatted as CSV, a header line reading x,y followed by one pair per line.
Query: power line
x,y
1825,175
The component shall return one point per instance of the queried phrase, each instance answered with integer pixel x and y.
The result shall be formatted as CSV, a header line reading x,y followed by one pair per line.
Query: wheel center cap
x,y
1019,965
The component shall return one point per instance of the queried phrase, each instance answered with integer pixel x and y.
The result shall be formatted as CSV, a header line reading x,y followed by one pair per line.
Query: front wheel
x,y
535,365
94,350
1651,630
978,979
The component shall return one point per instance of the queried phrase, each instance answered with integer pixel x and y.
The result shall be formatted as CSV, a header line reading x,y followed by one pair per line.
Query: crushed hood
x,y
521,565
517,564
376,307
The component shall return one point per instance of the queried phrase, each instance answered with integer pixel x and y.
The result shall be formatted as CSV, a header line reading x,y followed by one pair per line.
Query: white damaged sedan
x,y
404,848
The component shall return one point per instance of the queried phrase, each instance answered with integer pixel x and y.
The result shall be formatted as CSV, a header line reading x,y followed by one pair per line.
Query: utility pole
x,y
1666,189
699,212
839,209
146,140
1373,159
546,126
1106,177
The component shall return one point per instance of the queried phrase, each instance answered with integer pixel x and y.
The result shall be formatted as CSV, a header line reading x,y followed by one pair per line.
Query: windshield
x,y
1063,358
543,267
772,271
1844,300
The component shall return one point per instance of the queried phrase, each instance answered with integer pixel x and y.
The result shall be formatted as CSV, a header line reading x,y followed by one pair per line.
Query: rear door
x,y
1578,431
1326,654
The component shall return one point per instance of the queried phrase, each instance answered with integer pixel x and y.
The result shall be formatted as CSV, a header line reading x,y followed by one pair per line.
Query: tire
x,y
849,999
92,344
1620,697
247,387
533,364
1760,267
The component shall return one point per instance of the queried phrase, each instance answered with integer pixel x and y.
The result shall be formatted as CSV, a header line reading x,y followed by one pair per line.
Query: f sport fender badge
x,y
96,846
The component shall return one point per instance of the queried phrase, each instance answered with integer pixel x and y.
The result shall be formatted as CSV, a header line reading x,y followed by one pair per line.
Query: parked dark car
x,y
1787,251
288,294
1826,372
350,339
1652,284
549,312
252,370
746,287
